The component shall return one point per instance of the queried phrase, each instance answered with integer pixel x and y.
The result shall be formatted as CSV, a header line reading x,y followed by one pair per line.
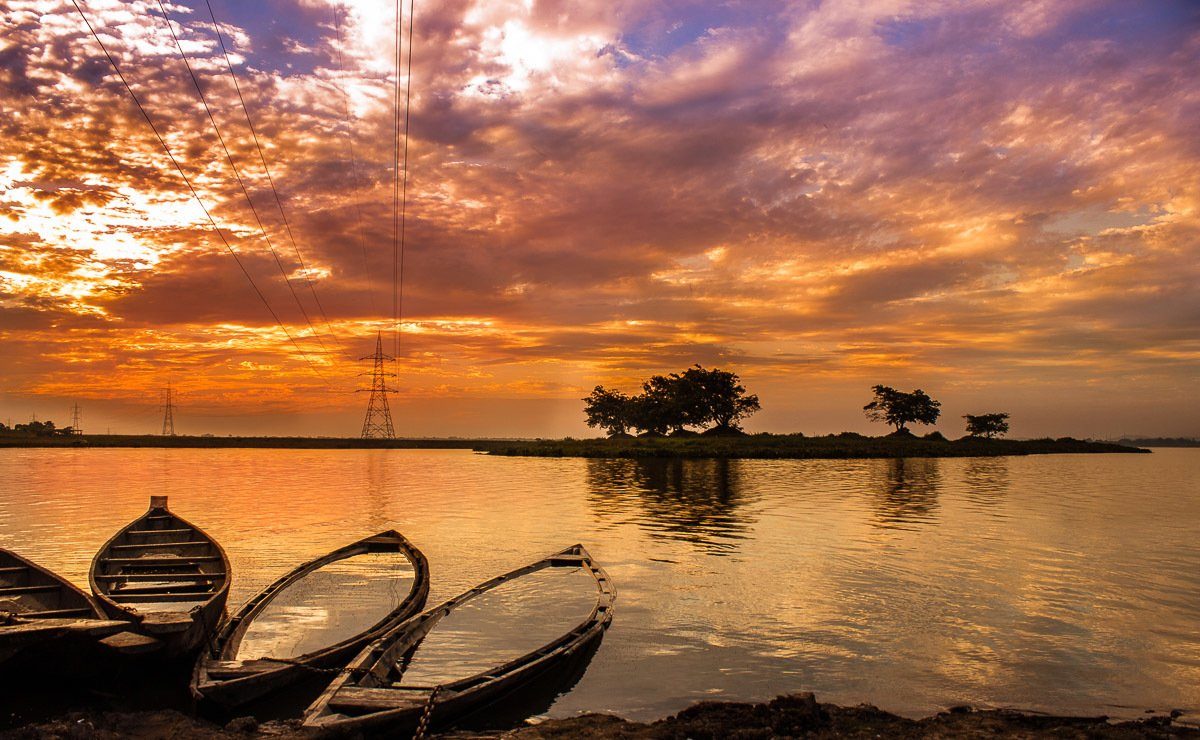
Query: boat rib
x,y
166,576
368,696
223,680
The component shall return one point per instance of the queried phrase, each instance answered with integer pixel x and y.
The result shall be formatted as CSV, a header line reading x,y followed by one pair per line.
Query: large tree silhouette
x,y
900,409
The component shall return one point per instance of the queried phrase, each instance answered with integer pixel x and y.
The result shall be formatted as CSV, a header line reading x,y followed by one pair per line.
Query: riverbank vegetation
x,y
799,446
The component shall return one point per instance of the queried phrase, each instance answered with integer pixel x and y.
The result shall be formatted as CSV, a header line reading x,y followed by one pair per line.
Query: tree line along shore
x,y
667,412
765,446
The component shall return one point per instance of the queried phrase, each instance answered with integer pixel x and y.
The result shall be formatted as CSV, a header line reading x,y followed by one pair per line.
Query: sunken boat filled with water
x,y
231,673
418,675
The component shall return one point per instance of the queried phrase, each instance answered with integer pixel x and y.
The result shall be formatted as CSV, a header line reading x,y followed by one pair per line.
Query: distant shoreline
x,y
759,446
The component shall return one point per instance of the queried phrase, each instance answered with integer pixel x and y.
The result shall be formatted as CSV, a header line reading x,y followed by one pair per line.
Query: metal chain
x,y
423,725
304,666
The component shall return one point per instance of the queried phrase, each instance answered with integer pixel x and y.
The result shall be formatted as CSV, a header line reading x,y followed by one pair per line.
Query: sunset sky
x,y
998,203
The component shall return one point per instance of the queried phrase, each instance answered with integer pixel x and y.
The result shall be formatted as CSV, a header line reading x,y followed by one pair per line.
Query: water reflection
x,y
1064,583
985,480
698,501
905,492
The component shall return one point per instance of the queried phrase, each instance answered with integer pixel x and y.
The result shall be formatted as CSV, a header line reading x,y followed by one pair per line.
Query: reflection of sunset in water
x,y
912,584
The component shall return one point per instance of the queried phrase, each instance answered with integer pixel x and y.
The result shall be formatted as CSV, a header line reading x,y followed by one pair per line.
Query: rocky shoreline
x,y
796,715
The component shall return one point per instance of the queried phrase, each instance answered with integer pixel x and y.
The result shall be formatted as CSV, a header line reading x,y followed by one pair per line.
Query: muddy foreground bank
x,y
798,715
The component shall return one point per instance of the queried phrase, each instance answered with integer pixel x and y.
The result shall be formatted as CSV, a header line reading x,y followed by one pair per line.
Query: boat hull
x,y
368,697
156,561
220,683
45,620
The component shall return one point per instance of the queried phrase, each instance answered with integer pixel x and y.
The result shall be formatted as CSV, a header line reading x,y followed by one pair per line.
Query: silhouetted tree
x,y
675,400
696,397
612,411
987,425
652,413
900,409
719,397
37,428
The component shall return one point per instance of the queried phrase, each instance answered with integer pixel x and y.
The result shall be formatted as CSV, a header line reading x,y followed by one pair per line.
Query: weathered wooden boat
x,y
165,576
223,680
39,607
370,696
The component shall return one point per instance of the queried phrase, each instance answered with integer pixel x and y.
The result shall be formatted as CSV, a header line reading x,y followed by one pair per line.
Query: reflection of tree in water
x,y
697,501
985,480
905,491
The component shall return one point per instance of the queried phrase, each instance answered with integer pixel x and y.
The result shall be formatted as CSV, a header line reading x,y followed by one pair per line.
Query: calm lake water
x,y
1055,583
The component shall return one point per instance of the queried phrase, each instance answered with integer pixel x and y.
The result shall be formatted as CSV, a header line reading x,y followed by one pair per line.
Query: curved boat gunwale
x,y
112,607
22,631
229,639
375,660
66,585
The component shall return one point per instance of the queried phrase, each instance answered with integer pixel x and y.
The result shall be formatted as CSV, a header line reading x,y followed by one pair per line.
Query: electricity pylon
x,y
378,422
168,408
76,420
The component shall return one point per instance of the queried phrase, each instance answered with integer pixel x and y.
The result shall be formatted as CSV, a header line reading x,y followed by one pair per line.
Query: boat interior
x,y
29,592
160,563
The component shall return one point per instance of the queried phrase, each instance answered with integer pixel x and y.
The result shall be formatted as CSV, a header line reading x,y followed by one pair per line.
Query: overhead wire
x,y
270,180
404,186
396,185
187,181
354,169
238,176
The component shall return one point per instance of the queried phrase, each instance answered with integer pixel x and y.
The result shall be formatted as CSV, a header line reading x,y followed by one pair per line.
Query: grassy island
x,y
768,446
798,446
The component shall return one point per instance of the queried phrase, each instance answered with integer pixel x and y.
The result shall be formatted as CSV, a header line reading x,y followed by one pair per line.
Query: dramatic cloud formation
x,y
999,203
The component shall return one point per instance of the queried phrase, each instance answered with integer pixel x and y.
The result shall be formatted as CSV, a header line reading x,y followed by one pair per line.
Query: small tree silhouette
x,y
987,425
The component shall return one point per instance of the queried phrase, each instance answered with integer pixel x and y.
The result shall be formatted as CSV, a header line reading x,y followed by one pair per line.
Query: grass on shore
x,y
798,446
766,446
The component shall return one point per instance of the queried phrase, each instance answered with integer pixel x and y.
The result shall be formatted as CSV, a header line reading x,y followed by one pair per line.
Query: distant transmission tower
x,y
378,422
76,420
168,408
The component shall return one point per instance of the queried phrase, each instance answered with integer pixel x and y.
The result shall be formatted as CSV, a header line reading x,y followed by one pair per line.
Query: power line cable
x,y
354,169
162,142
396,186
404,187
271,180
238,176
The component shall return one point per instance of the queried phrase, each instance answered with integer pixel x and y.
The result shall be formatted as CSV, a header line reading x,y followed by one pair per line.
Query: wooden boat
x,y
38,606
166,576
368,695
223,680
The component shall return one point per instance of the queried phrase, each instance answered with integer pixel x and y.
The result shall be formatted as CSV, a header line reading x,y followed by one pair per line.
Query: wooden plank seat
x,y
164,560
360,698
130,643
161,545
223,670
172,588
58,613
135,577
184,530
155,598
13,570
39,589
